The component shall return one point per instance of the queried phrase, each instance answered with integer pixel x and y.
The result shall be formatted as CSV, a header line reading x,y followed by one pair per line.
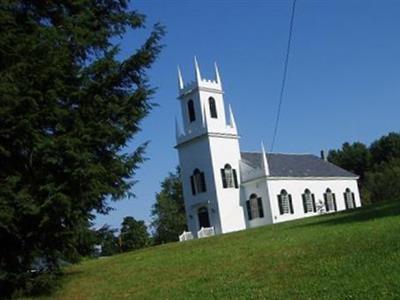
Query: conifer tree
x,y
68,107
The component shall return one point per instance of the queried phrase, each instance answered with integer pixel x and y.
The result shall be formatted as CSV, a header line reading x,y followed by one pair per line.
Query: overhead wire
x,y
284,76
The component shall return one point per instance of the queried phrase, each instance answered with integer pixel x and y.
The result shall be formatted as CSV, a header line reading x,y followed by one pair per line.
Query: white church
x,y
226,189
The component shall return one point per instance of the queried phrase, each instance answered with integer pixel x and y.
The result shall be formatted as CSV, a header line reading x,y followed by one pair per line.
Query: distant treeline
x,y
378,166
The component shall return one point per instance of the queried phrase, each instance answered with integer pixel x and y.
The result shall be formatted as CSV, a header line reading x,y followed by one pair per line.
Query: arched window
x,y
330,200
349,199
285,203
254,207
213,108
308,202
198,182
204,218
229,177
192,115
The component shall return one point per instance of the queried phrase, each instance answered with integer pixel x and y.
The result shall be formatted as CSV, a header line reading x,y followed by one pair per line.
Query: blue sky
x,y
343,81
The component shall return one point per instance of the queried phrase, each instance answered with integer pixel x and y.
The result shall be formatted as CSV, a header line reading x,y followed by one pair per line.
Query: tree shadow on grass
x,y
366,213
56,284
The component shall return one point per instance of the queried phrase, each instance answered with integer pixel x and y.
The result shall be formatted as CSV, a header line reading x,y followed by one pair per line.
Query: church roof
x,y
295,165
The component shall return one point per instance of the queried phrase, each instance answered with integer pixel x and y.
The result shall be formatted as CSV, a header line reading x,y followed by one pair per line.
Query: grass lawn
x,y
348,255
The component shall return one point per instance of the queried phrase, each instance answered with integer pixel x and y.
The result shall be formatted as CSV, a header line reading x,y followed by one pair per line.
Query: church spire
x,y
180,79
197,69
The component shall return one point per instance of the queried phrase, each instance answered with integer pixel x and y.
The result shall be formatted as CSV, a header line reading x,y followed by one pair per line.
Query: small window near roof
x,y
192,115
213,108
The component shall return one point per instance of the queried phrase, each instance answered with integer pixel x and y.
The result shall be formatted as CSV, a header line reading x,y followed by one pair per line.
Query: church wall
x,y
260,188
296,188
196,154
226,151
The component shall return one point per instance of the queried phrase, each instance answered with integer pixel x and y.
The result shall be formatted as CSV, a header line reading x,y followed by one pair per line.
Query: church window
x,y
229,177
254,207
330,200
213,108
308,202
192,115
285,203
198,182
349,199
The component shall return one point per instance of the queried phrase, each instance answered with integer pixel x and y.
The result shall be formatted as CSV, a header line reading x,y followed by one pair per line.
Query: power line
x,y
285,68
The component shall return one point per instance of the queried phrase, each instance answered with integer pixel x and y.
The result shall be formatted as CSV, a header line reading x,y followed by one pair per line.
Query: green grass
x,y
348,255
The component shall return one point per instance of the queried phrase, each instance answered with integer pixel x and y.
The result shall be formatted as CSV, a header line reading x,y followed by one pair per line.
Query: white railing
x,y
186,236
205,232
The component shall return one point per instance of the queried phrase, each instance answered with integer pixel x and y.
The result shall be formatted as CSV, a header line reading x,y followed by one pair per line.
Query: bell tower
x,y
209,154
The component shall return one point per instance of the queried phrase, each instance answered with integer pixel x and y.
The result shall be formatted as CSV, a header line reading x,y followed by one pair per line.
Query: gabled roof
x,y
295,165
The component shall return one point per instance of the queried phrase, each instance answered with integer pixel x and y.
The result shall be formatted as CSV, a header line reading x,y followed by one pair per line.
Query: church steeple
x,y
209,155
203,106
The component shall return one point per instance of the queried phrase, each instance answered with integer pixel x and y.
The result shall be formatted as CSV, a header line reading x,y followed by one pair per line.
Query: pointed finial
x,y
217,77
180,79
177,129
231,117
205,123
262,148
198,75
265,159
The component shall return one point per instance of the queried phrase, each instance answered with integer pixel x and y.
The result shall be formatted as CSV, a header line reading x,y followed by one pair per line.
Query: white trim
x,y
297,178
208,134
193,88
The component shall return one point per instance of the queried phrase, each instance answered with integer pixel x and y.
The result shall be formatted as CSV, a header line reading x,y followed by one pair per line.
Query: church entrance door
x,y
204,219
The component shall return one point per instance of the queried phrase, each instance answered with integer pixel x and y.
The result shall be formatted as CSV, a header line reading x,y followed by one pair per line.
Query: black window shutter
x,y
235,178
280,204
192,184
304,203
353,199
313,203
345,200
203,182
248,210
224,184
326,202
291,204
260,208
334,201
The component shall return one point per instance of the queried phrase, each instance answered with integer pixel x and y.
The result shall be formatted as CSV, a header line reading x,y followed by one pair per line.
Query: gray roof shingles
x,y
295,165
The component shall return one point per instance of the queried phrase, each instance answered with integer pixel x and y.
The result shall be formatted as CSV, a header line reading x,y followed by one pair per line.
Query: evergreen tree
x,y
68,106
107,240
377,166
354,157
134,234
386,148
168,213
383,182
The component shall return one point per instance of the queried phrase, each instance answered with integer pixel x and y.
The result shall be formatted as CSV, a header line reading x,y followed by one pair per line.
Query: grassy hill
x,y
348,255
